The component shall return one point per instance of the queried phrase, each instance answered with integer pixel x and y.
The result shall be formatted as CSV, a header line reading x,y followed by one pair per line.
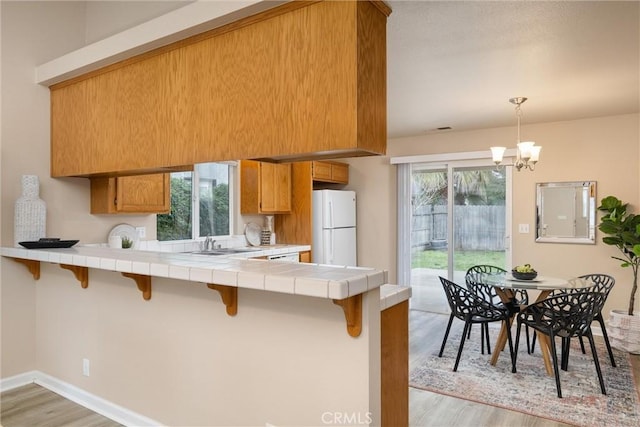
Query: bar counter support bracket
x,y
229,296
81,273
352,308
32,265
144,283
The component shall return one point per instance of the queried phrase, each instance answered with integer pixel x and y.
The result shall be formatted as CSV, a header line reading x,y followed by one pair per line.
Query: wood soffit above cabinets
x,y
305,80
286,8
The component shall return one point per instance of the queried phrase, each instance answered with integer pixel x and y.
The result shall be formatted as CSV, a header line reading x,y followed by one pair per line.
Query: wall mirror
x,y
566,212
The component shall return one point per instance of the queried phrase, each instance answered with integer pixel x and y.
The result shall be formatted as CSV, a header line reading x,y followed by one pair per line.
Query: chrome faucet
x,y
208,243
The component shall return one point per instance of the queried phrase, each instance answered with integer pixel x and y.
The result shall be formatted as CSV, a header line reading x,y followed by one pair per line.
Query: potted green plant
x,y
622,230
126,242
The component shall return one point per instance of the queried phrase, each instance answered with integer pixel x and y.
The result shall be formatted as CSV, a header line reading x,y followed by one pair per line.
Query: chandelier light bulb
x,y
525,149
535,153
497,153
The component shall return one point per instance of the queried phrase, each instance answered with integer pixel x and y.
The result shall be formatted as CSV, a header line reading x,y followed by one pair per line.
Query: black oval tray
x,y
49,244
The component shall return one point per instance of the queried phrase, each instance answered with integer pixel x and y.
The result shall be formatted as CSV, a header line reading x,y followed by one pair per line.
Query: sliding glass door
x,y
459,218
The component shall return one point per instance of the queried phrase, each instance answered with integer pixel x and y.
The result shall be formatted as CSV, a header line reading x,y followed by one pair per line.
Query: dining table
x,y
505,285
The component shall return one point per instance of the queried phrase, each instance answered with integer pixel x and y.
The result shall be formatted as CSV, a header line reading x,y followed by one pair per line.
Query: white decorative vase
x,y
30,215
624,331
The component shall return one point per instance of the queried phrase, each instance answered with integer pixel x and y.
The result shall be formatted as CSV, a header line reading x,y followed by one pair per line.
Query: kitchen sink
x,y
225,251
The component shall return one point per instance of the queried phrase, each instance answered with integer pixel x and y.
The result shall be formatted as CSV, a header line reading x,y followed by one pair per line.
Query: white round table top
x,y
506,280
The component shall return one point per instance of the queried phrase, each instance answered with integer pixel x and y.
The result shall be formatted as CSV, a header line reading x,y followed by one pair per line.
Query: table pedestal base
x,y
506,295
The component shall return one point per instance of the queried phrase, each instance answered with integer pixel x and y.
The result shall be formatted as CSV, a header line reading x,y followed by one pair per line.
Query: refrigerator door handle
x,y
331,243
330,214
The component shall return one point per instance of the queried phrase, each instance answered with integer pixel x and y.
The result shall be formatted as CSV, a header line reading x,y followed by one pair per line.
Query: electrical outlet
x,y
142,232
85,367
523,228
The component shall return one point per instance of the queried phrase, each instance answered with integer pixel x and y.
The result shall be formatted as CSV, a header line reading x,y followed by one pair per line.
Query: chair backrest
x,y
485,268
465,304
566,314
474,279
603,282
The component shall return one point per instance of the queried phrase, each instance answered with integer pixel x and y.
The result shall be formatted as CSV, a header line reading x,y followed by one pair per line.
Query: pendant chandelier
x,y
527,153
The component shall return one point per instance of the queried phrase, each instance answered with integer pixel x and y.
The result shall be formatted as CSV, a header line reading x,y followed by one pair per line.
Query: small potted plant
x,y
127,243
622,230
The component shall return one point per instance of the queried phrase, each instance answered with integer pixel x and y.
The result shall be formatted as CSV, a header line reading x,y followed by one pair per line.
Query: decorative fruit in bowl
x,y
524,272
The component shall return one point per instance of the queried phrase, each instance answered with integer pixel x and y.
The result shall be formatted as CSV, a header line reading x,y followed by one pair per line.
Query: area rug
x,y
531,390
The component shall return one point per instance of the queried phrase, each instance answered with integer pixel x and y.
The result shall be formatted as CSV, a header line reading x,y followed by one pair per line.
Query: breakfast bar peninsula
x,y
219,341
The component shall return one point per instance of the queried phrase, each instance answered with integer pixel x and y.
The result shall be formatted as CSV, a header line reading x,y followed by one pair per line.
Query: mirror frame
x,y
590,239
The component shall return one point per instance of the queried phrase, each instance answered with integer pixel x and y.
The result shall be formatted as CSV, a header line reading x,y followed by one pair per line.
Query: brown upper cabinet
x,y
333,172
265,188
131,194
304,80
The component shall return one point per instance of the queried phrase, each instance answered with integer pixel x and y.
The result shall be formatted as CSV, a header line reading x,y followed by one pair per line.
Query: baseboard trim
x,y
18,380
90,401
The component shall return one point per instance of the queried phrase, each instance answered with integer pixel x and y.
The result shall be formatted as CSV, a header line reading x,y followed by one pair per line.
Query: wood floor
x,y
32,405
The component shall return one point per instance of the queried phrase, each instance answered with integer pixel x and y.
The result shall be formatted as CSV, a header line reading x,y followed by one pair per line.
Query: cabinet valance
x,y
305,80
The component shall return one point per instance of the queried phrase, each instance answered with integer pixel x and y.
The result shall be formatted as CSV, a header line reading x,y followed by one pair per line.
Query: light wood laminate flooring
x,y
34,406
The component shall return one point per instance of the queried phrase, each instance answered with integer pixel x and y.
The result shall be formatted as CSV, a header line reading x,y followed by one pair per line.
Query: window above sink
x,y
201,203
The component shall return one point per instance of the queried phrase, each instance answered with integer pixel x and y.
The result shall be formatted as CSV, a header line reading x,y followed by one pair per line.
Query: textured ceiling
x,y
453,63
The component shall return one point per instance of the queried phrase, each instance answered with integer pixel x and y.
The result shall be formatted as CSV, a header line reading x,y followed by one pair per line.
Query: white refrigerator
x,y
334,227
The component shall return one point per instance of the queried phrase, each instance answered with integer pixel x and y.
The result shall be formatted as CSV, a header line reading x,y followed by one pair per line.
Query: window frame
x,y
195,202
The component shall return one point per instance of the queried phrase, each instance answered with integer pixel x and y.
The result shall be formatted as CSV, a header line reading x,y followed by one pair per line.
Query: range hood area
x,y
301,81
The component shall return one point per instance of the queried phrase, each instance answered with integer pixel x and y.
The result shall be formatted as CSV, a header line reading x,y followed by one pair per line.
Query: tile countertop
x,y
391,295
316,280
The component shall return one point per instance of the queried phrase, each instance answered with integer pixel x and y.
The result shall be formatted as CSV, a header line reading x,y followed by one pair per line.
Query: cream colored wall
x,y
177,358
181,360
106,18
374,181
605,149
28,38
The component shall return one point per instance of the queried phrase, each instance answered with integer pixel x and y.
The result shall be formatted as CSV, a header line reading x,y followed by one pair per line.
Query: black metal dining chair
x,y
474,279
603,283
472,309
566,315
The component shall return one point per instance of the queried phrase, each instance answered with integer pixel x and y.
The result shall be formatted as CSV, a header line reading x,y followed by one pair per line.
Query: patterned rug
x,y
530,390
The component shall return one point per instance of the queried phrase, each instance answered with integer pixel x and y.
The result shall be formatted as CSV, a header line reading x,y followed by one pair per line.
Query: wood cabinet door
x,y
333,172
275,187
268,190
340,173
143,193
321,171
282,182
305,256
249,187
265,188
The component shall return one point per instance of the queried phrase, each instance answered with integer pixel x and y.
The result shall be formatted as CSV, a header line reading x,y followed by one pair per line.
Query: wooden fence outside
x,y
475,228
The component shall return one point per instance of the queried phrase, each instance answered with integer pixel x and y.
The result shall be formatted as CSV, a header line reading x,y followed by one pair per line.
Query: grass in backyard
x,y
437,259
